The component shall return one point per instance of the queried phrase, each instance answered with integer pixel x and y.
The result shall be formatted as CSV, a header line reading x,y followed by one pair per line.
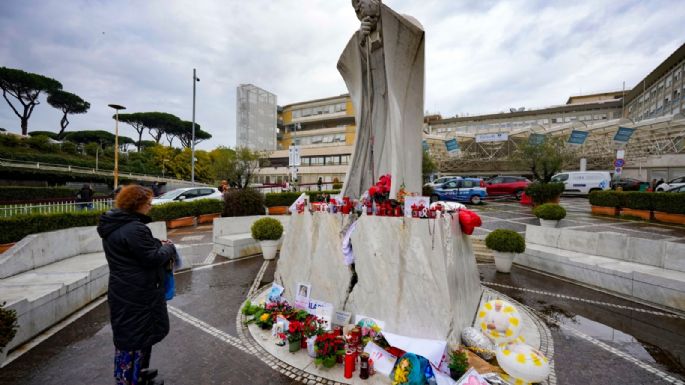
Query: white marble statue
x,y
383,68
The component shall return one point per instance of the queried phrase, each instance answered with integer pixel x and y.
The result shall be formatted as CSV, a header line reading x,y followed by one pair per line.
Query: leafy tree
x,y
544,159
69,104
172,132
158,123
186,136
135,120
91,136
124,142
222,160
243,166
49,134
162,155
146,144
180,165
26,88
427,165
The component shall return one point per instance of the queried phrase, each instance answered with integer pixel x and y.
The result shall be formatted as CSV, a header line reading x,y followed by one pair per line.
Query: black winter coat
x,y
137,264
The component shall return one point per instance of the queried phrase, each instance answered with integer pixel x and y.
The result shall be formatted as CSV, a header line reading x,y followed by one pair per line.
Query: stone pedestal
x,y
417,275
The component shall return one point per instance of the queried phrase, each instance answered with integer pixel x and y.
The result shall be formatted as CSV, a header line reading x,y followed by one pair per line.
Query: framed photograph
x,y
302,295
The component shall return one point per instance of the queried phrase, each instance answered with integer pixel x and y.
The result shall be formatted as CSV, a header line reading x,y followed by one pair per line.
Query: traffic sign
x,y
618,170
619,163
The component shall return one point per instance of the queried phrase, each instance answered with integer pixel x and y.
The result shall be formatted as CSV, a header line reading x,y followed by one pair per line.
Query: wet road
x,y
598,338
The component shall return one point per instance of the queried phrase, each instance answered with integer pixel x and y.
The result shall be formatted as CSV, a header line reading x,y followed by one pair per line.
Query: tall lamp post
x,y
192,143
116,143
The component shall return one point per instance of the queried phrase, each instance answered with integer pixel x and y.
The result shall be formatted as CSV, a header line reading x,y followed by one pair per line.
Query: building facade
x,y
661,92
324,130
255,118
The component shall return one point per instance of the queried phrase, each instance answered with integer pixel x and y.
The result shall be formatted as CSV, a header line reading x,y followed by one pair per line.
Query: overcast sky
x,y
481,56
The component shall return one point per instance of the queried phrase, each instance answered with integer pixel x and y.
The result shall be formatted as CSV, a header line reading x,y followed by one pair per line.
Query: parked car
x,y
507,185
440,181
583,182
680,189
677,182
188,194
627,184
470,190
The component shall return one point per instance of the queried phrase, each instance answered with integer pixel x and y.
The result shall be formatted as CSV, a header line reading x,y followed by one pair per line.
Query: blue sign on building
x,y
536,139
623,134
577,137
452,145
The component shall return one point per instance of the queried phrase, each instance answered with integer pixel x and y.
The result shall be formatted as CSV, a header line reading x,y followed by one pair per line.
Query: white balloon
x,y
499,320
522,362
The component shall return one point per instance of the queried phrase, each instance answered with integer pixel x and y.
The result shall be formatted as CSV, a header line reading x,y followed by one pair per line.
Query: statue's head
x,y
367,8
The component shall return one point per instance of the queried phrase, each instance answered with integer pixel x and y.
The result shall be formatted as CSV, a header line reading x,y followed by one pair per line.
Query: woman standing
x,y
137,263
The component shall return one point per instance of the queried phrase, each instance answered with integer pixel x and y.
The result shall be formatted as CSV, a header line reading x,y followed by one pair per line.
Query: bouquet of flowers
x,y
328,347
312,326
295,329
381,190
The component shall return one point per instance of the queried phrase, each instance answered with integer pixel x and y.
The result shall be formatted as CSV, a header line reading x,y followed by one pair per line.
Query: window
x,y
497,180
467,184
296,114
452,184
560,178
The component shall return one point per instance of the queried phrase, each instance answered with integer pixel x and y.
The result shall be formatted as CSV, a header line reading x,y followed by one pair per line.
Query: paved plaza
x,y
598,338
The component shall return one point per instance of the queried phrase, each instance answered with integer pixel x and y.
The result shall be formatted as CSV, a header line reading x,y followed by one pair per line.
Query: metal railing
x,y
57,207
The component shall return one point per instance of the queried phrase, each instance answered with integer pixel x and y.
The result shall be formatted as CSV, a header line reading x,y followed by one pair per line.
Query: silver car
x,y
187,194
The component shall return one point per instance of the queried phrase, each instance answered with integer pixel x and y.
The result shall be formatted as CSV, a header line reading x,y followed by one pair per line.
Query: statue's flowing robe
x,y
388,103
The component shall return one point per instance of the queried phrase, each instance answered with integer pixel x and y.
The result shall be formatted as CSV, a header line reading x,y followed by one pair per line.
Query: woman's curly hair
x,y
132,197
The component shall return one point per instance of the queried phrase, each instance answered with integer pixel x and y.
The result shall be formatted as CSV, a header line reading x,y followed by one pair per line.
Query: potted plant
x,y
312,329
549,214
606,202
208,209
328,347
278,203
504,244
459,363
295,329
268,232
541,193
8,328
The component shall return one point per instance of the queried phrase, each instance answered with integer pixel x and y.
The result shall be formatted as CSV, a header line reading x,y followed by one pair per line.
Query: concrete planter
x,y
207,218
601,210
548,223
269,248
503,261
180,222
667,217
643,214
6,246
278,210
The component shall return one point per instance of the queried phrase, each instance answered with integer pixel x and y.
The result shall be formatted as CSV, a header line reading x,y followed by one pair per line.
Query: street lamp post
x,y
192,143
116,143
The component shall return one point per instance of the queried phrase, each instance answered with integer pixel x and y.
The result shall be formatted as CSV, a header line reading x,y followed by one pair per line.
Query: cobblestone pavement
x,y
598,338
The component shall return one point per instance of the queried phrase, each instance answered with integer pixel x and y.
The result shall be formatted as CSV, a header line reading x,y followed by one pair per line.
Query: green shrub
x,y
243,202
40,142
8,325
505,241
267,229
459,362
337,186
13,229
12,193
542,193
550,211
317,196
427,190
639,200
607,198
673,203
172,210
280,199
208,206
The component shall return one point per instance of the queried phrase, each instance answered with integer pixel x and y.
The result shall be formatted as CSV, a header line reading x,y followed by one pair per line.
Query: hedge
x,y
550,211
607,198
672,203
506,241
13,229
280,199
12,193
317,196
173,210
639,200
243,202
208,206
542,193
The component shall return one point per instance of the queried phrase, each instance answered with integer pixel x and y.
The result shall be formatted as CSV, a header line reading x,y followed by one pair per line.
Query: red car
x,y
507,185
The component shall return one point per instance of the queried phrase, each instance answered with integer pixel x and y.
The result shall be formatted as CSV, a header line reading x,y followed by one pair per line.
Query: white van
x,y
583,182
